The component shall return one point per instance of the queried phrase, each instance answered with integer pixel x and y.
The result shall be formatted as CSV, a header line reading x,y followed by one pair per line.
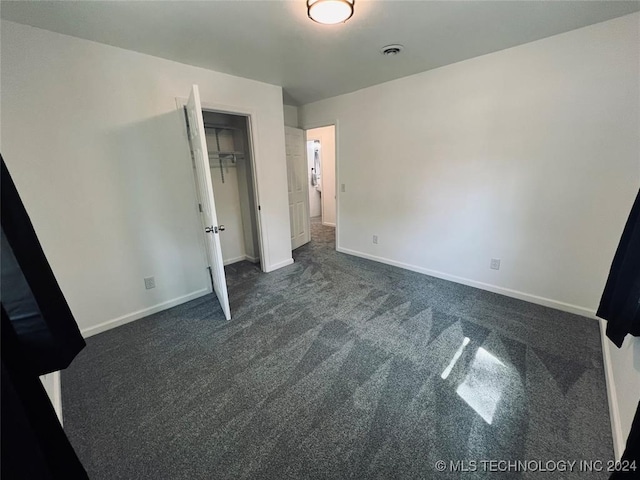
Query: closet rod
x,y
220,127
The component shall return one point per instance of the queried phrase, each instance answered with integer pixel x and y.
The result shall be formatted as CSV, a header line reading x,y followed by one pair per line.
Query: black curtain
x,y
30,294
630,462
620,306
39,335
620,303
34,445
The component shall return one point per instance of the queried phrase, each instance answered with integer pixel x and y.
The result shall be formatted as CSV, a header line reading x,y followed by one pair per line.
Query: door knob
x,y
221,228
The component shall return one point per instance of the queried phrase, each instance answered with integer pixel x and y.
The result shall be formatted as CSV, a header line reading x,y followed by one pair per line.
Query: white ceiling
x,y
275,42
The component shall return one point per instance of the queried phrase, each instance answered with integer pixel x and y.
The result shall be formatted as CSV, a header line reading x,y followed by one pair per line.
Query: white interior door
x,y
205,195
298,187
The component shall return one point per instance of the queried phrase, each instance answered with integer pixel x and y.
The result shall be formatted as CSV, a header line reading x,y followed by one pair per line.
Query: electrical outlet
x,y
375,239
342,188
495,264
149,283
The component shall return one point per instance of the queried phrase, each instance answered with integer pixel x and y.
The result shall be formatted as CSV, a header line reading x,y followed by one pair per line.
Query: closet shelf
x,y
226,154
212,126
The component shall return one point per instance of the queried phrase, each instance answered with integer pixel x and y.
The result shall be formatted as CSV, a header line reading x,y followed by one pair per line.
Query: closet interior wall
x,y
232,178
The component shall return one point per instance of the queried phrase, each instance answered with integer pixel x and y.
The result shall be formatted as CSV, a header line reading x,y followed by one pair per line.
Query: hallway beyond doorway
x,y
323,234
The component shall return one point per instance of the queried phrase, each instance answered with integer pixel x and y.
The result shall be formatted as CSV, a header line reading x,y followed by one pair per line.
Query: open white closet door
x,y
205,194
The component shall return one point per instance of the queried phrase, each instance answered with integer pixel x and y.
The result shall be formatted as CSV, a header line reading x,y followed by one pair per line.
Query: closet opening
x,y
228,138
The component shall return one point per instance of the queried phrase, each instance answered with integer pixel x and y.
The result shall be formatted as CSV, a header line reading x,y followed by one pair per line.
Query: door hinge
x,y
200,207
259,207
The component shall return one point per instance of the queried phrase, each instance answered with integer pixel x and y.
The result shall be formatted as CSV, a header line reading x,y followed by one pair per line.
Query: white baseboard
x,y
276,266
612,397
242,258
235,260
130,317
527,297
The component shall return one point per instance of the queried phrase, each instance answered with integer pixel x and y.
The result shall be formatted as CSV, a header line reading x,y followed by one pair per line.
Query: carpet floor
x,y
339,367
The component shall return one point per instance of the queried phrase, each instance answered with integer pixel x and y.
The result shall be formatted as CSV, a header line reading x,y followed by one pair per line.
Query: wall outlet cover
x,y
375,239
495,264
149,283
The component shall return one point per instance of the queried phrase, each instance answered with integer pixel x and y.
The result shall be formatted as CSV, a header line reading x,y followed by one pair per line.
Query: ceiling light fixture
x,y
330,12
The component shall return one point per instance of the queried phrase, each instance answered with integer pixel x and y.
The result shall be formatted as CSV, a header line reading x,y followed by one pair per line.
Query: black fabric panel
x,y
631,453
49,334
34,446
21,454
620,303
20,303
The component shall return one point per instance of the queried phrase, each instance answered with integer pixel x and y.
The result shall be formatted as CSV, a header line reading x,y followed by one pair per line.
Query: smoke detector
x,y
391,50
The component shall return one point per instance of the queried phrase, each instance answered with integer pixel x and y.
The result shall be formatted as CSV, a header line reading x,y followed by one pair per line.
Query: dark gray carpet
x,y
333,368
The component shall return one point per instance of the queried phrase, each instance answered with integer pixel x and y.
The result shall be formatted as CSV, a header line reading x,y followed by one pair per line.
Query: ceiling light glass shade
x,y
330,12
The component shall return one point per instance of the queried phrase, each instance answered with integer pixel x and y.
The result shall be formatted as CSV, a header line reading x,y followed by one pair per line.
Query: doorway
x,y
222,155
321,167
232,178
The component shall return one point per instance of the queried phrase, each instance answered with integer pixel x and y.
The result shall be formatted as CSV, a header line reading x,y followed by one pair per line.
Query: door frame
x,y
252,128
329,123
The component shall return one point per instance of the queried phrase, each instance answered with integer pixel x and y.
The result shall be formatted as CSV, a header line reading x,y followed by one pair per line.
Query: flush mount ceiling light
x,y
330,12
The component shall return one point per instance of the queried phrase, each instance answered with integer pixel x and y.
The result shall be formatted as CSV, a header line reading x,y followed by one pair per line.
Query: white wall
x,y
99,154
291,116
315,208
530,155
327,137
626,372
623,382
247,206
51,384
